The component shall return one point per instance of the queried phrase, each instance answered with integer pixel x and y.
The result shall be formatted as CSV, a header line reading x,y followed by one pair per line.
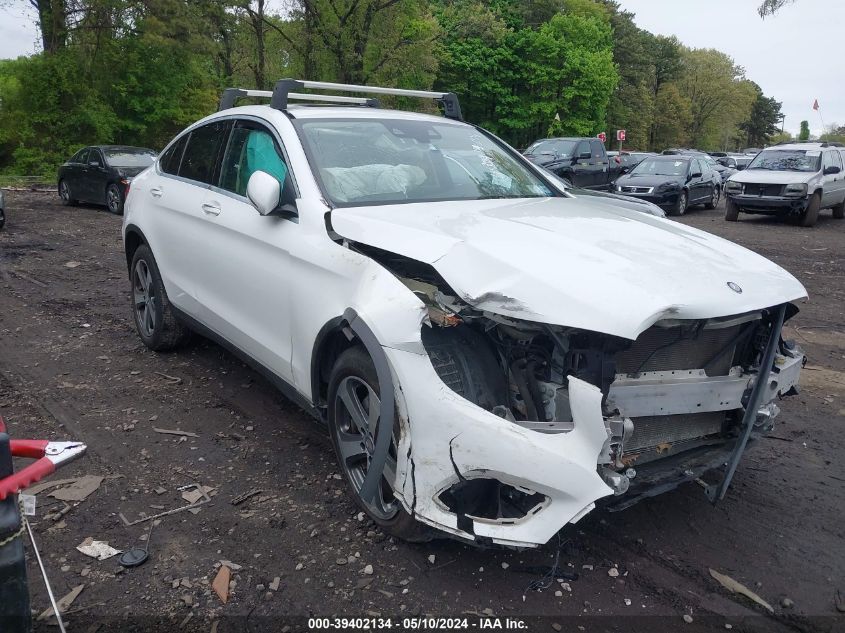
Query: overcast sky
x,y
795,56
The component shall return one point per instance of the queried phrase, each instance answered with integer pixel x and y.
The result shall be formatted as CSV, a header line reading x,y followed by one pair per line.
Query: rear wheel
x,y
114,199
155,320
354,418
811,213
2,218
65,194
731,211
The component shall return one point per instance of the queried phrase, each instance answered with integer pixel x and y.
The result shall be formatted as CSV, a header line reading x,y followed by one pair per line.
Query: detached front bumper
x,y
449,442
770,205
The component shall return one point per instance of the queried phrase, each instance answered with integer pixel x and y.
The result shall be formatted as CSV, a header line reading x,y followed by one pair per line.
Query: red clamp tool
x,y
51,454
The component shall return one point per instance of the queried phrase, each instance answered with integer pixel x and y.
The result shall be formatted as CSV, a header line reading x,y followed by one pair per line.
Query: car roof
x,y
121,148
307,112
673,157
799,146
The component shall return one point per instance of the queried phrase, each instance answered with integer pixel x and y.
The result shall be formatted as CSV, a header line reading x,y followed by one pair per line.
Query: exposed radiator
x,y
666,349
651,432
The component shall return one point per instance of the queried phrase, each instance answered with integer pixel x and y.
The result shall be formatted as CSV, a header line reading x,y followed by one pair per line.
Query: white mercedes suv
x,y
492,354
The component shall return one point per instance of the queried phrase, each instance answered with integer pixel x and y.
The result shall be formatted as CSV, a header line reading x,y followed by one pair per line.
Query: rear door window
x,y
81,156
251,148
172,157
200,160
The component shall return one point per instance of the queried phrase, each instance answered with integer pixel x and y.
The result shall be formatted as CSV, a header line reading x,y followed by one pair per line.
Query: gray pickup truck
x,y
579,162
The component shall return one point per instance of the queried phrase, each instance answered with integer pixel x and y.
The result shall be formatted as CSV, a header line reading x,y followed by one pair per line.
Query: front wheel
x,y
354,417
731,211
680,207
811,213
114,199
155,320
714,198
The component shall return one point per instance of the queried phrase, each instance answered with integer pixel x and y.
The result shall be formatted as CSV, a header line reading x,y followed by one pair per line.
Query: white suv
x,y
492,354
793,181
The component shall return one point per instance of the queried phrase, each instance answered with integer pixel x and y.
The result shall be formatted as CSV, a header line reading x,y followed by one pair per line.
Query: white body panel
x,y
269,285
574,262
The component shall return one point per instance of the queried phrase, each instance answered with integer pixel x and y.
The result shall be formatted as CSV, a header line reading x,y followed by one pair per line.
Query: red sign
x,y
602,136
620,135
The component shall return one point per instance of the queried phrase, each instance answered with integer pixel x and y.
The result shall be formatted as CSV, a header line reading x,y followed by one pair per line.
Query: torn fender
x,y
445,432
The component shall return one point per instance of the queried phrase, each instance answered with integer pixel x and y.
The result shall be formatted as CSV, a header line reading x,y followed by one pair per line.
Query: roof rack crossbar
x,y
230,95
284,91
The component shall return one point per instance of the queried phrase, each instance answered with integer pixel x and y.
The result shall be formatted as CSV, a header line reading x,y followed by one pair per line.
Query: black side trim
x,y
717,492
288,390
387,410
330,327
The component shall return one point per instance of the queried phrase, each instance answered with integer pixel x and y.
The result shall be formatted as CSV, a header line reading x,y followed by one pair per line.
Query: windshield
x,y
396,161
653,167
555,147
124,158
787,160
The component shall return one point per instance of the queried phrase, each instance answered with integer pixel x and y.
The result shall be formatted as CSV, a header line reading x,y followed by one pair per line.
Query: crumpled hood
x,y
573,262
768,177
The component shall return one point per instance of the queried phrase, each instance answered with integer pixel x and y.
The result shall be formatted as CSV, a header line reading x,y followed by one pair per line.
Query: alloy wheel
x,y
64,192
113,199
357,408
145,299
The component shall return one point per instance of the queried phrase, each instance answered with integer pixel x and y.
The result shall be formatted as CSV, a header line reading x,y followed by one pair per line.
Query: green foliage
x,y
834,132
804,134
516,79
762,122
138,71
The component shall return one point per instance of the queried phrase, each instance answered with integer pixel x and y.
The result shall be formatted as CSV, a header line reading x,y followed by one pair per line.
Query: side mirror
x,y
833,169
695,174
94,163
624,170
585,156
264,192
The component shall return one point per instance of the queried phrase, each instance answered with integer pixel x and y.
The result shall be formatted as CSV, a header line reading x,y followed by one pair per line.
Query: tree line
x,y
137,71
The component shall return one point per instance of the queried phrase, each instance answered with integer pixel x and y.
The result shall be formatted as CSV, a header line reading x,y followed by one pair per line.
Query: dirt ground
x,y
72,367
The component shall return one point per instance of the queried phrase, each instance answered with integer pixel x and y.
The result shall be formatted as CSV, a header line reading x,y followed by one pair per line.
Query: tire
x,y
155,321
65,194
715,198
680,207
731,211
354,379
839,210
811,213
114,199
2,218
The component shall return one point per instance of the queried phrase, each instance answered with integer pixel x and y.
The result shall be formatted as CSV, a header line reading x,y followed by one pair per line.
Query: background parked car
x,y
101,174
735,161
792,181
2,210
673,182
580,162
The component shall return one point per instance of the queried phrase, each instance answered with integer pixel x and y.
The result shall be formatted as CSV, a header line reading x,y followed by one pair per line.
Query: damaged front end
x,y
643,415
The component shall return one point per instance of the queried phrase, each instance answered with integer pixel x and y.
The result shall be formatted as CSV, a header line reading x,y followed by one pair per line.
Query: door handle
x,y
211,208
156,193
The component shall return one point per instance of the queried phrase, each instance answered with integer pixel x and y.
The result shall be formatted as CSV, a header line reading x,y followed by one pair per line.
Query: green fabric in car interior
x,y
261,155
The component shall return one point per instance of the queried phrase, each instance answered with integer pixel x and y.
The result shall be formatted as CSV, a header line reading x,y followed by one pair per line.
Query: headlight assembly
x,y
734,187
798,189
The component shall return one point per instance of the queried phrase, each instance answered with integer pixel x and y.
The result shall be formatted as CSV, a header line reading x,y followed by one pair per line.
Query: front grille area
x,y
636,189
675,348
652,432
763,190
